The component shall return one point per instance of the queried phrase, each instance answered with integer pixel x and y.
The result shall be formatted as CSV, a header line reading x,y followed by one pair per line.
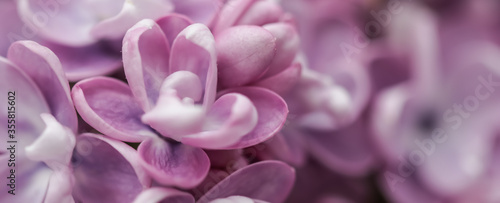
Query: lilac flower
x,y
45,123
256,44
157,94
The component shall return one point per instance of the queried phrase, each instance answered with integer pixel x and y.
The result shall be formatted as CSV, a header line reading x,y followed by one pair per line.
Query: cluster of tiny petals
x,y
250,101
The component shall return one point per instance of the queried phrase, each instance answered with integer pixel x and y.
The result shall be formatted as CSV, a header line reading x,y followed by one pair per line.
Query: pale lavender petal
x,y
272,111
62,22
231,117
145,60
200,11
106,170
11,26
132,12
284,81
277,177
173,164
54,146
29,104
44,68
83,62
243,54
60,187
172,25
194,50
236,199
163,195
30,186
108,105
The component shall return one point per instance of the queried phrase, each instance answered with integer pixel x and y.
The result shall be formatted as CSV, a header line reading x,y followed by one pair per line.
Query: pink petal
x,y
11,26
230,13
272,111
236,199
132,12
346,151
200,11
163,195
287,46
283,81
194,50
277,177
44,68
260,13
145,61
31,184
106,170
108,105
173,164
60,187
243,54
231,117
172,25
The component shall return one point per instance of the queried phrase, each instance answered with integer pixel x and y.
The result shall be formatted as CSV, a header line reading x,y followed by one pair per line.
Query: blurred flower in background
x,y
250,101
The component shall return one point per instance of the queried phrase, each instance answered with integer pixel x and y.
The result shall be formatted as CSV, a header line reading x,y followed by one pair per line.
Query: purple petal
x,y
243,54
163,195
84,62
346,151
31,185
277,177
106,170
231,117
132,12
45,70
60,187
287,146
145,60
108,105
194,50
172,25
29,103
173,164
283,81
272,111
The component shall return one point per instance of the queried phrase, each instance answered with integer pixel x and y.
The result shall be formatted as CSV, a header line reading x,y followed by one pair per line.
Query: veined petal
x,y
108,105
163,195
231,117
44,68
145,60
106,170
230,13
243,54
277,177
173,164
194,50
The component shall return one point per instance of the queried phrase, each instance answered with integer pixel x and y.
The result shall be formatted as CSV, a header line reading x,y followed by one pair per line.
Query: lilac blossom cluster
x,y
241,101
